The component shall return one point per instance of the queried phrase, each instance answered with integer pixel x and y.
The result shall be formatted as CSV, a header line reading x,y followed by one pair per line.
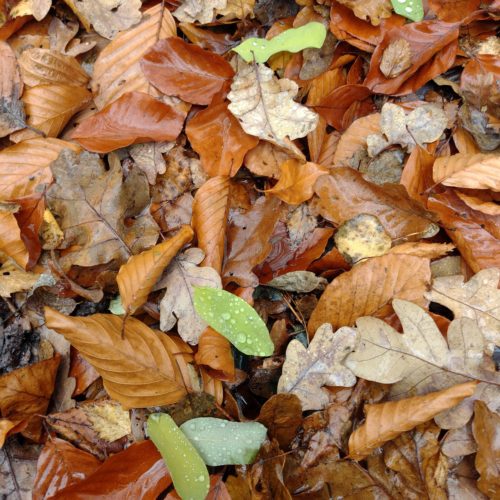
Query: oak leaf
x,y
149,158
198,10
139,274
386,421
177,305
15,279
374,10
92,205
306,371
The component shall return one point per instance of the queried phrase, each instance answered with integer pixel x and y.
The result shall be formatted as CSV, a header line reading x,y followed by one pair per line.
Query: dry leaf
x,y
198,10
108,419
396,58
149,158
15,279
369,288
298,281
237,9
482,203
306,371
265,159
265,107
385,421
426,250
92,204
11,243
374,10
177,305
214,352
139,370
139,274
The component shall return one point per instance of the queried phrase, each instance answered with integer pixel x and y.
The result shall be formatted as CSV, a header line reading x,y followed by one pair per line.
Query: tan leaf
x,y
473,171
49,108
237,9
11,243
137,277
13,279
108,17
139,370
177,305
108,418
198,10
115,75
265,107
265,160
369,288
210,211
46,67
27,164
386,421
298,281
396,58
373,10
149,158
306,371
425,250
37,8
480,203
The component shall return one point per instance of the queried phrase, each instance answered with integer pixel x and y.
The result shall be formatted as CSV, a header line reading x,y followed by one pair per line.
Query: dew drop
x,y
402,1
225,316
249,340
233,322
408,9
219,294
223,424
241,337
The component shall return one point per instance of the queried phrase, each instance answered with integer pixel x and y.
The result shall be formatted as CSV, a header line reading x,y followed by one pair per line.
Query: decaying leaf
x,y
306,371
396,58
149,158
108,418
374,10
177,305
11,243
298,281
198,10
14,279
412,9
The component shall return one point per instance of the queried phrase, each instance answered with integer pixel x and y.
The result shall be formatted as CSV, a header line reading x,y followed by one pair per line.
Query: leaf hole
x,y
441,310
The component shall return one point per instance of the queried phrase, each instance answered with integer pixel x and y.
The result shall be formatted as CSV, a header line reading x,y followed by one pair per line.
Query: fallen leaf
x,y
25,394
387,420
425,250
216,135
149,158
265,159
372,10
108,419
478,299
177,305
453,10
108,17
92,212
369,288
139,274
414,10
236,9
62,38
214,352
15,279
12,116
185,70
133,118
396,58
306,371
298,281
37,8
198,10
417,174
11,243
265,107
82,371
143,373
60,464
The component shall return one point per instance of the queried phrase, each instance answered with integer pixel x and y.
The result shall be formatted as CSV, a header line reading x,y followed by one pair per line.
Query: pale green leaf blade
x,y
221,442
411,9
233,318
116,306
311,35
189,472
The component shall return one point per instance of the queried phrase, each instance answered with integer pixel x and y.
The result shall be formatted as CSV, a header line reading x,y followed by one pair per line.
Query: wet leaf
x,y
214,352
396,58
372,10
198,10
11,243
298,281
412,9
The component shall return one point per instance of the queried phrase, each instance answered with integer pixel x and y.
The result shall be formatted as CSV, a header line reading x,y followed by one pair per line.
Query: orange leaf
x,y
417,174
216,135
9,427
369,287
186,70
426,250
210,210
453,10
10,239
483,203
386,421
214,352
137,277
296,182
133,118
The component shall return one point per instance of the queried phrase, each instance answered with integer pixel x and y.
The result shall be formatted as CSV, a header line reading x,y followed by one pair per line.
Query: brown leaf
x,y
345,193
29,219
49,108
131,119
60,465
11,243
385,421
265,159
185,70
210,211
137,277
417,174
486,428
138,370
137,472
482,202
374,10
425,250
453,10
82,371
25,165
214,352
396,58
296,182
25,394
216,135
115,75
369,287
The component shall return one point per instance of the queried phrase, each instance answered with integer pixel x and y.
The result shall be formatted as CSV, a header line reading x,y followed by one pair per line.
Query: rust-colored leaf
x,y
426,250
387,420
417,174
453,10
216,135
133,118
137,277
11,243
265,159
82,371
185,70
214,352
369,287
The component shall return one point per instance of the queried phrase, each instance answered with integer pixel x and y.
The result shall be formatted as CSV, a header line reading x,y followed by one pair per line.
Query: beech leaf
x,y
233,318
221,442
412,9
298,281
306,371
310,35
185,465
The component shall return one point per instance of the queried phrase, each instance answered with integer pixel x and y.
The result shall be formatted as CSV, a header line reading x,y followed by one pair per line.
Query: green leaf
x,y
233,318
116,306
189,472
292,40
411,9
221,442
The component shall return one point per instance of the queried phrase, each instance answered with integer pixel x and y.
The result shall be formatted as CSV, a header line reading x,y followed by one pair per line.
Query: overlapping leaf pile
x,y
300,236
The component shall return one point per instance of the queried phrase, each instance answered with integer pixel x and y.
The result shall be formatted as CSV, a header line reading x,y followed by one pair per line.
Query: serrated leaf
x,y
220,442
189,473
311,35
233,318
411,9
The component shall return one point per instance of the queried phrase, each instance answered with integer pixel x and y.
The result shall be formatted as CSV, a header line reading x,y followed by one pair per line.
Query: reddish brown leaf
x,y
60,465
453,10
214,352
265,159
417,174
185,70
11,243
216,135
207,39
82,371
131,119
